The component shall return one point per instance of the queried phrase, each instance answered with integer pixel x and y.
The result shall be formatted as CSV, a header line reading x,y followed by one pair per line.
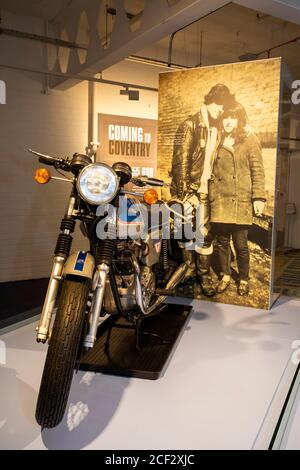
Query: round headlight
x,y
98,183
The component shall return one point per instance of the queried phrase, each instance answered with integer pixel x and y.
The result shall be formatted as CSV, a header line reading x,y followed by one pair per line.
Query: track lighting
x,y
133,95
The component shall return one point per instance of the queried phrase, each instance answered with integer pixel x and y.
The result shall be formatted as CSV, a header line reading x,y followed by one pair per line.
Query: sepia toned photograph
x,y
217,148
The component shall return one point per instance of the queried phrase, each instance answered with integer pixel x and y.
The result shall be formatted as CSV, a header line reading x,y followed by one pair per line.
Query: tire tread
x,y
62,352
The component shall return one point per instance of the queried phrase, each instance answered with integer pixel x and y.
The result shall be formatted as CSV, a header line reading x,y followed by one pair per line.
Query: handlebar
x,y
64,164
48,160
144,180
52,161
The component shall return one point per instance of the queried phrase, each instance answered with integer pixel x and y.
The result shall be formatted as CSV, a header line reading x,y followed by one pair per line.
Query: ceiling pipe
x,y
155,62
80,77
268,51
39,38
201,48
255,55
186,26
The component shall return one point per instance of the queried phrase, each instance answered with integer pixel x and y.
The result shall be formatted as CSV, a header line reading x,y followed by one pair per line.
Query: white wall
x,y
109,100
54,124
30,214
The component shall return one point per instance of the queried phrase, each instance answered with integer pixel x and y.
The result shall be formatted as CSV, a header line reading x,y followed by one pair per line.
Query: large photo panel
x,y
217,147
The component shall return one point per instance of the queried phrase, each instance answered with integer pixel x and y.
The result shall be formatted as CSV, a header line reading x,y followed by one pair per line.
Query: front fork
x,y
99,289
103,261
62,251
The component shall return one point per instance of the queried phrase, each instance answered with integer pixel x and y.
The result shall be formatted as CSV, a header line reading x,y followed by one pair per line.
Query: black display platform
x,y
157,339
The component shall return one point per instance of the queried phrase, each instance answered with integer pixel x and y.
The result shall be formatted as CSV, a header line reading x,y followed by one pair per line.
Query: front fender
x,y
80,264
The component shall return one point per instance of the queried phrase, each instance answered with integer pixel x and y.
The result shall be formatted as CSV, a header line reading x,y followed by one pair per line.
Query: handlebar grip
x,y
48,160
150,178
143,180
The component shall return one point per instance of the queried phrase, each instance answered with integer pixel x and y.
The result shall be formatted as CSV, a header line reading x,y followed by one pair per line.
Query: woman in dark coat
x,y
236,192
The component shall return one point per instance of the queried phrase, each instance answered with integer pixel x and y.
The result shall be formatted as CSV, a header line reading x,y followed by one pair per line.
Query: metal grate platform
x,y
157,339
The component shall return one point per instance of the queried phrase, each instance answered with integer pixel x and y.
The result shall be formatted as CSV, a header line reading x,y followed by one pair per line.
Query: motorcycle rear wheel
x,y
62,352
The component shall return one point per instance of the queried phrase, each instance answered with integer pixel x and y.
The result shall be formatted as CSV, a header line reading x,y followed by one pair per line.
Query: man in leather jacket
x,y
195,145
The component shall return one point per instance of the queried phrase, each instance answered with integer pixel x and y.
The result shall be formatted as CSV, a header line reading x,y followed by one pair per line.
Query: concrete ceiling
x,y
52,9
228,34
47,9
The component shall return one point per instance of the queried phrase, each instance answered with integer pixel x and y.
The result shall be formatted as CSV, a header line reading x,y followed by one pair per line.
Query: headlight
x,y
97,183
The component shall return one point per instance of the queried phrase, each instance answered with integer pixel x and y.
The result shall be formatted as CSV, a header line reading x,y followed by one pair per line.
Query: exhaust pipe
x,y
177,277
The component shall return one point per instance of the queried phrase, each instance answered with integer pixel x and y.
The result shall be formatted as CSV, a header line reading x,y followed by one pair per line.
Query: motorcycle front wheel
x,y
62,352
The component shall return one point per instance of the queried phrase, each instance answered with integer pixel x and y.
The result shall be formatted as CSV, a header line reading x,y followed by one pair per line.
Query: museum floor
x,y
224,388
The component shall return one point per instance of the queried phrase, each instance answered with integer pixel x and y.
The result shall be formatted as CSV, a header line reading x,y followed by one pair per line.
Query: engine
x,y
125,280
126,289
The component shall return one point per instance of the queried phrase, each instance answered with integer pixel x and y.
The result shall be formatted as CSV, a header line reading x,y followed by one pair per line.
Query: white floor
x,y
291,437
288,435
216,393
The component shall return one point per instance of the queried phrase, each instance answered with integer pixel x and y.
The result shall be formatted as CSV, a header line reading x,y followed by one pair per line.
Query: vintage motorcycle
x,y
127,276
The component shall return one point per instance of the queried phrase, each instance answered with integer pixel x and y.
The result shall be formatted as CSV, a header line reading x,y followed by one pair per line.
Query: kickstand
x,y
138,332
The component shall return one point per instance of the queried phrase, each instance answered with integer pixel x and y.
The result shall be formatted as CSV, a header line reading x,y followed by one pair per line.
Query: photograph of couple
x,y
218,148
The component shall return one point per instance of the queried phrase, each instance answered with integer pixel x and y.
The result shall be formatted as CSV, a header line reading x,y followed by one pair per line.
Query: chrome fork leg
x,y
102,273
43,327
55,278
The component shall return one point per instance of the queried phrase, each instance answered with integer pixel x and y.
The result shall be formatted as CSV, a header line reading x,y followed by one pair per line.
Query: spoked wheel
x,y
62,352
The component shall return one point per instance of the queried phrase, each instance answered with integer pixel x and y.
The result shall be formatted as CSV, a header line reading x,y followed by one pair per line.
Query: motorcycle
x,y
118,275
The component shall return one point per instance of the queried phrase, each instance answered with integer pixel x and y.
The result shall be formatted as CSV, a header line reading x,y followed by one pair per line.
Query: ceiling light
x,y
133,95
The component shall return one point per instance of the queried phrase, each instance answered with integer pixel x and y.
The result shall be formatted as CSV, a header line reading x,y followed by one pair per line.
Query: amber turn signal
x,y
42,176
150,196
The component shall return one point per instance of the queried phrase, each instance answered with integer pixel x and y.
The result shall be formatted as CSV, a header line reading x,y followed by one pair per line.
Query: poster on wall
x,y
217,147
128,139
